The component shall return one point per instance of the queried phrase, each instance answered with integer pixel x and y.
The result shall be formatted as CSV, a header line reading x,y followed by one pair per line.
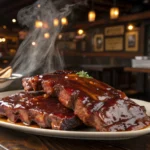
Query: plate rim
x,y
76,134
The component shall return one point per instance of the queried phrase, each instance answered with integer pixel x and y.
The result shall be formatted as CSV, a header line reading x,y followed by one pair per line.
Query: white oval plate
x,y
87,133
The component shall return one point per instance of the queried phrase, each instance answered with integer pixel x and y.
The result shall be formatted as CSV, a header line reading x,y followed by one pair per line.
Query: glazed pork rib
x,y
41,109
96,103
35,83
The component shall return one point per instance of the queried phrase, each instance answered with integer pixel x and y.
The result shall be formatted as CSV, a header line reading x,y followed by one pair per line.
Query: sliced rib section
x,y
98,104
42,109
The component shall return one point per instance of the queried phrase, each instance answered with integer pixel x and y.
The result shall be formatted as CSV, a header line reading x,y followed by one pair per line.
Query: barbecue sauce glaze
x,y
112,108
41,103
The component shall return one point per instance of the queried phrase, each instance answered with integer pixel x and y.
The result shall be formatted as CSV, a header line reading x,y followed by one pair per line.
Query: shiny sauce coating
x,y
41,103
111,106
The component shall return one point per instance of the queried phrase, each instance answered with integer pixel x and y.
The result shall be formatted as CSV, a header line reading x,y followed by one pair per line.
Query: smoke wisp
x,y
41,55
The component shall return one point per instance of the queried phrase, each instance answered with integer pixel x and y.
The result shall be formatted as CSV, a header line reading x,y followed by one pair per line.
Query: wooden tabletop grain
x,y
16,140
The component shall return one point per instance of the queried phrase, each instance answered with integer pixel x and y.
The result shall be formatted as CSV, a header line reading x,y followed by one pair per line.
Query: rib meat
x,y
35,82
42,109
96,103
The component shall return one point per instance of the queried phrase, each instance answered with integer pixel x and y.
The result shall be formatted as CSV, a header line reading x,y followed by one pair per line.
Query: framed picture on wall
x,y
98,42
114,44
114,30
132,40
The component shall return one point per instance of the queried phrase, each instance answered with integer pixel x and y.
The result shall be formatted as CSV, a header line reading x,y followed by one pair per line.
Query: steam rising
x,y
41,55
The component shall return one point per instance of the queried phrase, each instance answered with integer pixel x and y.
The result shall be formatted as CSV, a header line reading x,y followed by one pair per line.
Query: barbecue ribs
x,y
39,108
95,103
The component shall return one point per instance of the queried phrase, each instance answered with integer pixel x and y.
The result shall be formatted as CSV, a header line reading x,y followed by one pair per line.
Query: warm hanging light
x,y
33,43
91,15
114,11
38,24
14,20
55,22
64,21
2,40
130,27
46,35
80,31
60,36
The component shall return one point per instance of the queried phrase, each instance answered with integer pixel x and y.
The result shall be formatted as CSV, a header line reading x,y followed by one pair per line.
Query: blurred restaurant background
x,y
109,39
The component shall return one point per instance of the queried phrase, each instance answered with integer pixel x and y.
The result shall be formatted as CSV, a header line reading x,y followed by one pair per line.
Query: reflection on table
x,y
16,140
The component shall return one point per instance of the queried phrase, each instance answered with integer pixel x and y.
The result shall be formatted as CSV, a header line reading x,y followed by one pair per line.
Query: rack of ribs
x,y
40,108
95,103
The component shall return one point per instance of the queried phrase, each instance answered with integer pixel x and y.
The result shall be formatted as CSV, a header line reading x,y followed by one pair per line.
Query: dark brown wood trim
x,y
105,54
133,17
131,69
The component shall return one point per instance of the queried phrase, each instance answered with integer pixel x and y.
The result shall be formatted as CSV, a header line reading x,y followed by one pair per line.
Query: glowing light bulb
x,y
114,13
46,35
38,24
14,20
56,22
80,31
64,21
3,40
130,27
60,36
91,16
34,43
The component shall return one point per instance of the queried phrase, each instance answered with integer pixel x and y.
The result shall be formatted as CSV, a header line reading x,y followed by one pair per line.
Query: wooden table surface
x,y
16,140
